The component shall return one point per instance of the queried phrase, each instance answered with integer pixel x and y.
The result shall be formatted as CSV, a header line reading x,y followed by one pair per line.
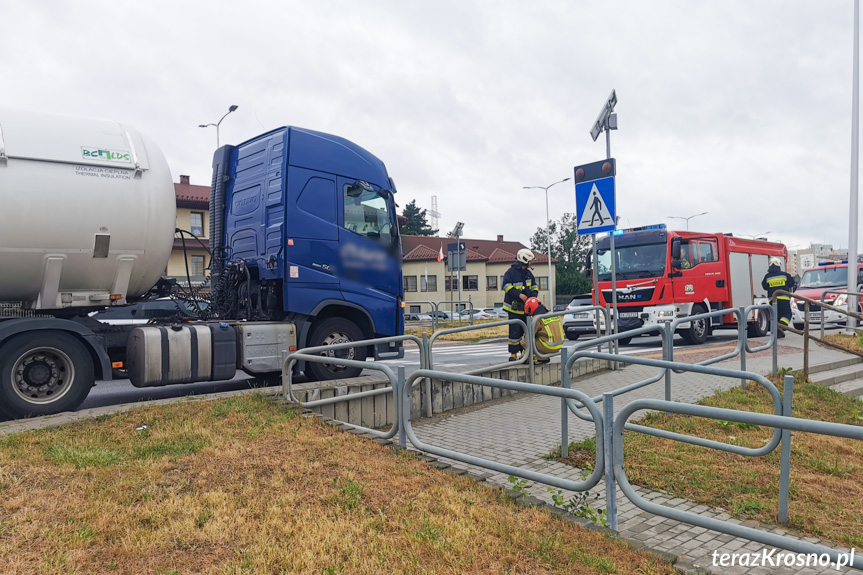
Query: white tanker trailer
x,y
87,222
88,211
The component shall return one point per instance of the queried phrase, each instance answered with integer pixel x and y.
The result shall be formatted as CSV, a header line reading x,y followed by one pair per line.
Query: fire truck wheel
x,y
760,327
331,331
697,332
44,373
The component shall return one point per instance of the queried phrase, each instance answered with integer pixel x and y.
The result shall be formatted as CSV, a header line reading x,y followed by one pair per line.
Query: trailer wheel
x,y
44,373
698,329
331,331
760,327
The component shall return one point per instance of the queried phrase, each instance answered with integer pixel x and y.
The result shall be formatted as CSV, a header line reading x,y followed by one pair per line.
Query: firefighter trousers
x,y
784,309
516,331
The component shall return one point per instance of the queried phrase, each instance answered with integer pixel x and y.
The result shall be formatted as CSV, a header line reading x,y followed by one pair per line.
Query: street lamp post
x,y
230,109
687,218
756,236
547,234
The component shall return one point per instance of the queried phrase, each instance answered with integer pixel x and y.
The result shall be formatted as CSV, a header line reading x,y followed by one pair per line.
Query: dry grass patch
x,y
826,472
850,342
244,486
472,335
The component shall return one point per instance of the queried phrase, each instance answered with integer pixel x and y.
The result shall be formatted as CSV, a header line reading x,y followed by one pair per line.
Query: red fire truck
x,y
663,275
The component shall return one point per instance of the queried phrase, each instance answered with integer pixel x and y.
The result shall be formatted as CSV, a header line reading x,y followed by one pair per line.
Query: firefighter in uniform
x,y
775,280
518,285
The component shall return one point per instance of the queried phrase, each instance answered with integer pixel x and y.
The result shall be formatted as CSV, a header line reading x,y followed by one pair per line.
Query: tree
x,y
416,224
571,251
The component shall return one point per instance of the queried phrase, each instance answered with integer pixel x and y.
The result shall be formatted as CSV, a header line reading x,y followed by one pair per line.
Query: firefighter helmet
x,y
531,305
774,261
525,256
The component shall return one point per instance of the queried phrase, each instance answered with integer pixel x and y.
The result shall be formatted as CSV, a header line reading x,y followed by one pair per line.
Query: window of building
x,y
428,283
449,283
196,224
470,283
196,267
491,283
410,283
543,282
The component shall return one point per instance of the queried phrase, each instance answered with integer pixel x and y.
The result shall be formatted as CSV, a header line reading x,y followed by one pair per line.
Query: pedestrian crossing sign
x,y
595,206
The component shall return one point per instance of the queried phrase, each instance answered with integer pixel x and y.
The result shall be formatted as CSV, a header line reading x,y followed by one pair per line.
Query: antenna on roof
x,y
434,214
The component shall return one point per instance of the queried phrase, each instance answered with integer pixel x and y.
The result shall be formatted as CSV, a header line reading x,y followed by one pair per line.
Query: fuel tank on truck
x,y
87,211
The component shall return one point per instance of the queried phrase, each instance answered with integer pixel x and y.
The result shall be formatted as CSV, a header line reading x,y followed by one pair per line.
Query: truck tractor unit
x,y
303,237
664,275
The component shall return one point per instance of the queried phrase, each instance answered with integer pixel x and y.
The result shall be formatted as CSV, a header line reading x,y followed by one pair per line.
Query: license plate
x,y
628,314
583,315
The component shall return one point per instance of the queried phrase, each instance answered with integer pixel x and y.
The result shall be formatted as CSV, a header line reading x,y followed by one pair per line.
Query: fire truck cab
x,y
663,275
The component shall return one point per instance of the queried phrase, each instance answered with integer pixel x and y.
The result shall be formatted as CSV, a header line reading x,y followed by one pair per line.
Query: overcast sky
x,y
738,108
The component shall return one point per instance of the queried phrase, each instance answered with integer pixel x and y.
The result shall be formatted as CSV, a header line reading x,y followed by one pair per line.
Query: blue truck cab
x,y
303,229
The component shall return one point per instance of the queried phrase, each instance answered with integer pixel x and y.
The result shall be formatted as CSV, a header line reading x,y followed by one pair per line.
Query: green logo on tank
x,y
103,155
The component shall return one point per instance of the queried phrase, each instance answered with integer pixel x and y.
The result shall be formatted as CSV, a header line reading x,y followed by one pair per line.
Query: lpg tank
x,y
87,211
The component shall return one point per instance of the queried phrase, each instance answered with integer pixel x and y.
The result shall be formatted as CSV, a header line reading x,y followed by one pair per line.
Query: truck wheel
x,y
760,327
698,329
331,331
44,373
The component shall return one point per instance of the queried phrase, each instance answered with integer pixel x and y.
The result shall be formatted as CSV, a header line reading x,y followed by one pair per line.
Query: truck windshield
x,y
827,277
639,261
368,213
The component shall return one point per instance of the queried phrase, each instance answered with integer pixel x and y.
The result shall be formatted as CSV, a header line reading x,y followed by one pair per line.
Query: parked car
x,y
815,282
440,315
559,307
479,313
578,323
417,317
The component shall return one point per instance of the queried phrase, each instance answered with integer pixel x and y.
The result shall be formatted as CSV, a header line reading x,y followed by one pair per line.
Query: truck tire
x,y
760,327
698,330
43,373
333,330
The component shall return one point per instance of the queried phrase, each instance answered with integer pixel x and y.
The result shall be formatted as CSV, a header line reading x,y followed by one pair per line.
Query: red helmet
x,y
531,305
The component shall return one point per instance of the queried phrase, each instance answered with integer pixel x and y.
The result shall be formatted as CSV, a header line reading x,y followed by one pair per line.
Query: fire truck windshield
x,y
632,261
824,277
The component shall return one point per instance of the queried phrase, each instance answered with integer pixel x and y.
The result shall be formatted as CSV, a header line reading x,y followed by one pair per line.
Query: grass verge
x,y
245,486
826,472
469,336
852,343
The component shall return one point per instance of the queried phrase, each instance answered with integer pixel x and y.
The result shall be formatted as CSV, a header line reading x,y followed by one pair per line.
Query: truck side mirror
x,y
675,250
675,263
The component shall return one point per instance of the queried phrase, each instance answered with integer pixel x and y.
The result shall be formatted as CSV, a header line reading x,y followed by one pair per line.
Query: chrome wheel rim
x,y
43,375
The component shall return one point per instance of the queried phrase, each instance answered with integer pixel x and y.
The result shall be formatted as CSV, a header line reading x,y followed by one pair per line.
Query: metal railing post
x,y
785,454
806,339
774,327
666,355
741,334
564,409
427,385
608,437
399,392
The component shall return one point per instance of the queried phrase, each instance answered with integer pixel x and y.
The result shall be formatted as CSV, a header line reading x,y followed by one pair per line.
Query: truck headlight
x,y
840,300
665,313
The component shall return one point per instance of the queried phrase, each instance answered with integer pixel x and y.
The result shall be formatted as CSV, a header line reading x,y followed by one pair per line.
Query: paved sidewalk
x,y
522,430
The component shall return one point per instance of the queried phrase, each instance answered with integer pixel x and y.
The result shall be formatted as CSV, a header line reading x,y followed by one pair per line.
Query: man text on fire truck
x,y
518,285
775,280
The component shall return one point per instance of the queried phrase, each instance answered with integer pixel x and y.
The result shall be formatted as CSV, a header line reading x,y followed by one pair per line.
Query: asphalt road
x,y
450,356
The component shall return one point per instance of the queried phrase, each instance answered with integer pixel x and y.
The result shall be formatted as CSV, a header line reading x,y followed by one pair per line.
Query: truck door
x,y
701,273
370,262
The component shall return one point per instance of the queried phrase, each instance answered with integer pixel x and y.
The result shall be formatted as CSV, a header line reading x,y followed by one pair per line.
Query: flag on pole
x,y
440,254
